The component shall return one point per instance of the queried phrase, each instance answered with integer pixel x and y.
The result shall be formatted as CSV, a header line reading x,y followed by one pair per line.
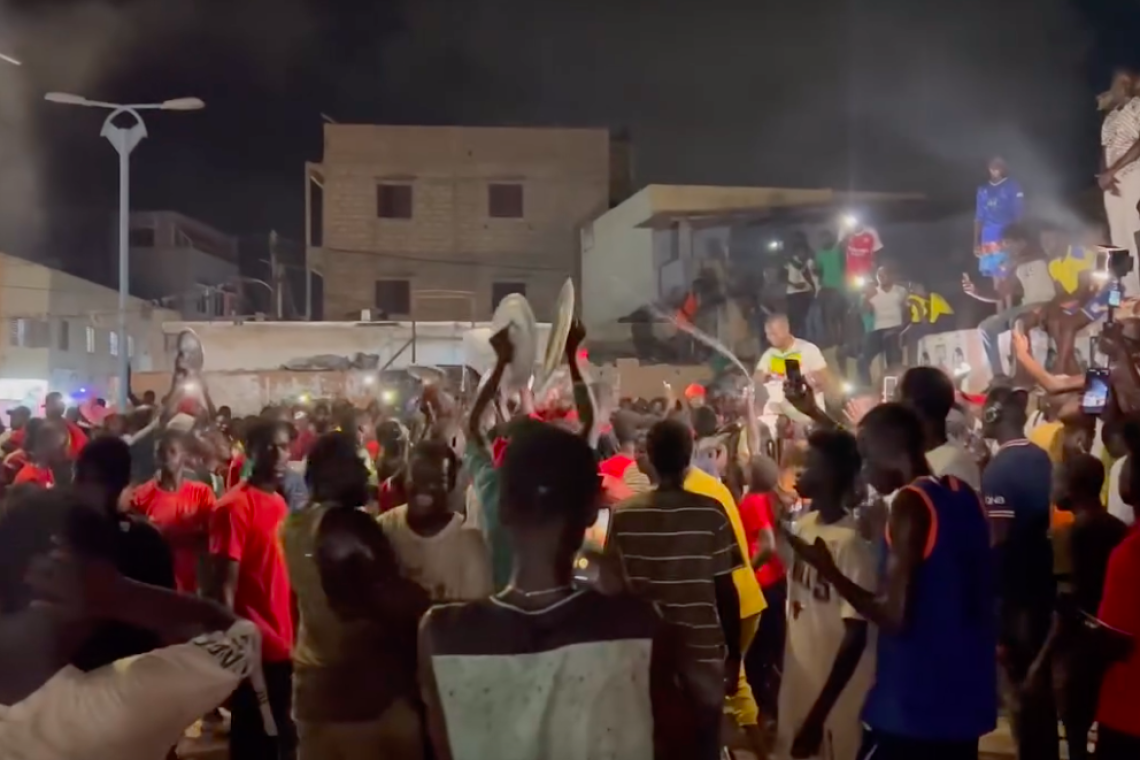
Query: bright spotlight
x,y
388,396
774,245
848,389
303,398
860,281
850,221
369,379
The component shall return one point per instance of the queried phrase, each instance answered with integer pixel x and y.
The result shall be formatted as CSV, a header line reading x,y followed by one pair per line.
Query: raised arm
x,y
583,398
504,353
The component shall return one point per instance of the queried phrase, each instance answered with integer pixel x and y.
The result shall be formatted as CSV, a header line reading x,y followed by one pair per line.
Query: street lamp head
x,y
183,104
68,98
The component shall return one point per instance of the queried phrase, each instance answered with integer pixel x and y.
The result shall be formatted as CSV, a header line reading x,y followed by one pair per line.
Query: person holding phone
x,y
933,691
785,347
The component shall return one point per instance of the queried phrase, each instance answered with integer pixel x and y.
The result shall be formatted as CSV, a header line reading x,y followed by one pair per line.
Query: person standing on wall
x,y
1119,177
1000,203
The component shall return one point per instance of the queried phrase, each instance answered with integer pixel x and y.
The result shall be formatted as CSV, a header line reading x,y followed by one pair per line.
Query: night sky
x,y
872,94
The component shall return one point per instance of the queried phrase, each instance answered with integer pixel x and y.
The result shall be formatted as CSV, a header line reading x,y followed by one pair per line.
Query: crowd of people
x,y
581,577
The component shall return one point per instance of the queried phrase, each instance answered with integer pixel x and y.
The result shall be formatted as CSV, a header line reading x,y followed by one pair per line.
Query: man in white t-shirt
x,y
885,300
1029,285
773,364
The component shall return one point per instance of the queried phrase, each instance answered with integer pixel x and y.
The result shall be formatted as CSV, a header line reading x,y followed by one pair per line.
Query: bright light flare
x,y
774,245
850,221
860,281
848,389
388,396
370,379
304,398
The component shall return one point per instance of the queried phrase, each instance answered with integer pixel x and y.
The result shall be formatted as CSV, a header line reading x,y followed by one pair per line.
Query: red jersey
x,y
244,528
1119,704
76,439
861,250
183,519
30,473
299,448
755,516
615,466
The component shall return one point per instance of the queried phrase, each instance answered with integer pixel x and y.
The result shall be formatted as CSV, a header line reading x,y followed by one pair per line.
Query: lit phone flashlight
x,y
859,281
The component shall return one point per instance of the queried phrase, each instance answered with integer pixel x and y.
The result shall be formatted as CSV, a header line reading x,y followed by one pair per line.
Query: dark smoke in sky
x,y
876,94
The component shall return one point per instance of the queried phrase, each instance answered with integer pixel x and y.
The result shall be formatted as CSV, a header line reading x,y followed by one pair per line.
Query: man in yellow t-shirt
x,y
742,704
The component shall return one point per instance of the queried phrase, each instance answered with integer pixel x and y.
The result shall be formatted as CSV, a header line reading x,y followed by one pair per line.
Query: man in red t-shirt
x,y
45,442
757,516
1118,709
861,247
249,575
54,409
179,508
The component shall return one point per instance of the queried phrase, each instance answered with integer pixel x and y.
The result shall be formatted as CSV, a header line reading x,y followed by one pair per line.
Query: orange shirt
x,y
30,473
183,519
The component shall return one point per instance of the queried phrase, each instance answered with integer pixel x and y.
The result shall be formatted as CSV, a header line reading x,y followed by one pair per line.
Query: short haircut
x,y
171,436
894,429
670,447
1014,402
260,435
841,452
434,449
704,422
29,524
328,451
777,317
929,390
1084,475
625,427
548,473
106,461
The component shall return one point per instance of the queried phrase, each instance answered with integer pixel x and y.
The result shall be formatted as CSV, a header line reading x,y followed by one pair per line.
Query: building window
x,y
394,201
29,333
64,335
113,343
505,201
17,332
141,237
500,290
394,297
90,340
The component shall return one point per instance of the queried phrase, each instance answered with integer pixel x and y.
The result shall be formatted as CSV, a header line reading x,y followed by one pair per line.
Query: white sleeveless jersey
x,y
816,616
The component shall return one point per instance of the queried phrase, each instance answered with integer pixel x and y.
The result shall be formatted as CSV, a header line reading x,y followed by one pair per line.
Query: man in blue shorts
x,y
1000,204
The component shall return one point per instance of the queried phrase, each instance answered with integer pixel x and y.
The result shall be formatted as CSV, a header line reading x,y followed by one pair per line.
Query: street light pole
x,y
124,140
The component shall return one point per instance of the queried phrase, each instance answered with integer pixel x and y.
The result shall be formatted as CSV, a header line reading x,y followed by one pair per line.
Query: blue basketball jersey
x,y
937,679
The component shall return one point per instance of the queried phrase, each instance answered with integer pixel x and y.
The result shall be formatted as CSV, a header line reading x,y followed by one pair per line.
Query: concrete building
x,y
650,249
182,263
440,223
60,333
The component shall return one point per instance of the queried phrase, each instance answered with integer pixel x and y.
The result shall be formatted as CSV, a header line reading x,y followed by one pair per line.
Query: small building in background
x,y
440,223
642,258
181,263
60,334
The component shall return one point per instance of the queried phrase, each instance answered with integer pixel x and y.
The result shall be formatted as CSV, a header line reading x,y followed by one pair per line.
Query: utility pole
x,y
275,277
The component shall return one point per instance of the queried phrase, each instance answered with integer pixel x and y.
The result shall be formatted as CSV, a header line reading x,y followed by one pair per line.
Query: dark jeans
x,y
1113,745
798,306
881,746
248,739
764,662
1033,712
885,342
